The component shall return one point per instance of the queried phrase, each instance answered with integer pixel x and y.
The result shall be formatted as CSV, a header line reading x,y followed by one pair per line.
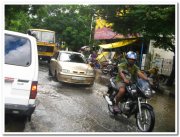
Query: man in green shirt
x,y
121,79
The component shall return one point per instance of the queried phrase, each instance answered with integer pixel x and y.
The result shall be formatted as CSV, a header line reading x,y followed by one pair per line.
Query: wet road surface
x,y
77,108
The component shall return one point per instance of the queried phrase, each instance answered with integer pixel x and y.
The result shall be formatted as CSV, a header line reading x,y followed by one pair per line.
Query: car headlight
x,y
90,72
65,71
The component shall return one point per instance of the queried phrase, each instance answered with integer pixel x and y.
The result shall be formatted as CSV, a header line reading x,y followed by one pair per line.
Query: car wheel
x,y
26,118
29,118
91,85
50,74
55,76
48,60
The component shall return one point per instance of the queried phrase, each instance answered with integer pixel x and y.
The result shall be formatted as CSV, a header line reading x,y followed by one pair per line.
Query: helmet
x,y
131,55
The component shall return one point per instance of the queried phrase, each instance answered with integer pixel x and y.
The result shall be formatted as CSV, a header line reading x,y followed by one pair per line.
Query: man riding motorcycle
x,y
121,80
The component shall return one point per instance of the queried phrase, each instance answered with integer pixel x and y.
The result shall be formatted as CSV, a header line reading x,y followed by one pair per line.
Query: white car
x,y
20,73
71,67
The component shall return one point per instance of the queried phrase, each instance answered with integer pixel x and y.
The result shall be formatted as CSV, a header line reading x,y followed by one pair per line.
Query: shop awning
x,y
118,44
102,56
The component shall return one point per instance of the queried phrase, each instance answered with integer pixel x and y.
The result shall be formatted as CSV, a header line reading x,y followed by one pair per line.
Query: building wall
x,y
161,58
161,53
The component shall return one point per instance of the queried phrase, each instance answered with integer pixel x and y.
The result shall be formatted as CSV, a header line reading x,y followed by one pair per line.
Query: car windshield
x,y
72,57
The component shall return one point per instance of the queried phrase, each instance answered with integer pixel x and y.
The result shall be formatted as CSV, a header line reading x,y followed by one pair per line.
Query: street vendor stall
x,y
104,33
108,55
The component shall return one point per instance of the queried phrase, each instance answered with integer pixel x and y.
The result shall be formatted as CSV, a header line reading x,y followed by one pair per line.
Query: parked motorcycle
x,y
134,102
106,66
154,77
114,70
110,68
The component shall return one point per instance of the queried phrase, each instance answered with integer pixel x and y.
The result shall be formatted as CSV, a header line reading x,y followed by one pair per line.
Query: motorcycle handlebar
x,y
130,83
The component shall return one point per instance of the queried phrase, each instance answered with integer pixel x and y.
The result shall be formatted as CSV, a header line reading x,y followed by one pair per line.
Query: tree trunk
x,y
171,79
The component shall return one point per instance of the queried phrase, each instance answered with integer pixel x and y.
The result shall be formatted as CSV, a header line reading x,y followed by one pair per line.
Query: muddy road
x,y
78,108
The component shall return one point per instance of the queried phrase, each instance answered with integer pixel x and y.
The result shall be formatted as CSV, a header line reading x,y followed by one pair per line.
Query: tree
x,y
71,22
16,18
155,22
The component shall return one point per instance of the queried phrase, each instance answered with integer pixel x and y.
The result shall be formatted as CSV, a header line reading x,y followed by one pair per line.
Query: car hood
x,y
75,66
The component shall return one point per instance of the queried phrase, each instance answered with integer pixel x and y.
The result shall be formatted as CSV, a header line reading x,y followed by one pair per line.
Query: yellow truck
x,y
45,42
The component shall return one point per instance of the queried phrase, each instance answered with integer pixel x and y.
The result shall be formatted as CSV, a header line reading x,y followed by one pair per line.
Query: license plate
x,y
78,78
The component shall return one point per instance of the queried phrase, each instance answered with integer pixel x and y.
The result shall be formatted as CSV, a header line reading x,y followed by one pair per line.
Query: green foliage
x,y
16,18
20,23
155,22
70,22
152,21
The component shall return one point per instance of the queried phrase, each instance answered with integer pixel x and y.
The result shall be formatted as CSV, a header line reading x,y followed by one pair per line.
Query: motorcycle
x,y
110,68
154,78
114,70
134,103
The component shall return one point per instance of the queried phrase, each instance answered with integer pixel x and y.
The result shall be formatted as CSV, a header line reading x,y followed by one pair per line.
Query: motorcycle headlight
x,y
90,72
134,92
148,93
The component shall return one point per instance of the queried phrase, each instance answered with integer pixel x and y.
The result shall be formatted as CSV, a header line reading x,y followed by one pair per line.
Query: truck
x,y
46,43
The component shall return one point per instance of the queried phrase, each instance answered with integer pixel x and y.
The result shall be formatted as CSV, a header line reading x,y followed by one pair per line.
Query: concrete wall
x,y
161,58
160,53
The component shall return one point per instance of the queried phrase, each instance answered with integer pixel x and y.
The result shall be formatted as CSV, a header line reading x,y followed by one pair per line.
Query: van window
x,y
17,50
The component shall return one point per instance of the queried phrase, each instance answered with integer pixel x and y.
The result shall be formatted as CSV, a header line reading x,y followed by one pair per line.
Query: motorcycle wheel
x,y
147,121
161,78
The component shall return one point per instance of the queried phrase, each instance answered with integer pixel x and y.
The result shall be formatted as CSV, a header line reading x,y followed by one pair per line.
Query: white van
x,y
20,73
